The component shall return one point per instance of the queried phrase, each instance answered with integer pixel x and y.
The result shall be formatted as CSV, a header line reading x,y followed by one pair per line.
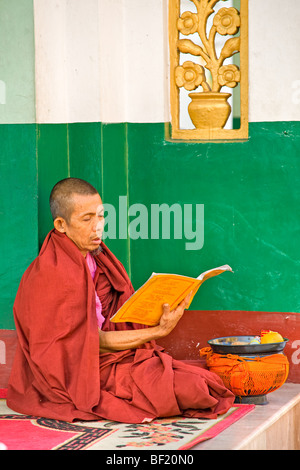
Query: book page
x,y
214,272
145,306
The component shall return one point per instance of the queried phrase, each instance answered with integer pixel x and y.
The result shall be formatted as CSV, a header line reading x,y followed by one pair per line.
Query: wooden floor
x,y
275,426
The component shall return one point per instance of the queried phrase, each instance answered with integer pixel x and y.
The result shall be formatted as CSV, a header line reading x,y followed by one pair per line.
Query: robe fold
x,y
58,372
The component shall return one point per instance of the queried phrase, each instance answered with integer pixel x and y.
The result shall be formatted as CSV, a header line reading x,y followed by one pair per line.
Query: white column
x,y
274,65
101,60
67,60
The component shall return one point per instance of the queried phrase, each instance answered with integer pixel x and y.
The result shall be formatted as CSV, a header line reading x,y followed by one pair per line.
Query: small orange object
x,y
268,336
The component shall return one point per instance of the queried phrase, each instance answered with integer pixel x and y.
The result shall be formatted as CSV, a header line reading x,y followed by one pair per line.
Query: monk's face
x,y
86,222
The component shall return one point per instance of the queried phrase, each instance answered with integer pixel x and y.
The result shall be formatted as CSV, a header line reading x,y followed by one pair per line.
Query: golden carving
x,y
208,109
190,76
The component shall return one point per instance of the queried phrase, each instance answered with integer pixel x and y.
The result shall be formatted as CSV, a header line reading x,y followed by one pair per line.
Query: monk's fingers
x,y
188,298
185,302
166,308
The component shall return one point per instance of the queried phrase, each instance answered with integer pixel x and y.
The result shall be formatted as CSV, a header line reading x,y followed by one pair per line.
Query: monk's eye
x,y
86,219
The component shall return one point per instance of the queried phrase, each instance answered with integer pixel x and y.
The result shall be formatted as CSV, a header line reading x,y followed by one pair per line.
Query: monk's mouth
x,y
96,240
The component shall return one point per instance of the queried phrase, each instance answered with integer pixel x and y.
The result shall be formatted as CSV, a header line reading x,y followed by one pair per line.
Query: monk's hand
x,y
170,318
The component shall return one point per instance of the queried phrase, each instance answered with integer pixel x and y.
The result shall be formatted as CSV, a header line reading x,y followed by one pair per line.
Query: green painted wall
x,y
18,158
18,211
250,191
251,194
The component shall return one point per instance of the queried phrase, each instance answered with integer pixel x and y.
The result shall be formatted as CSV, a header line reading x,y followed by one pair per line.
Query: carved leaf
x,y
187,46
230,46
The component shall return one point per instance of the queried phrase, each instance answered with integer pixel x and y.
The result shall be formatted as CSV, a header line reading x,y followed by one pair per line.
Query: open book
x,y
145,305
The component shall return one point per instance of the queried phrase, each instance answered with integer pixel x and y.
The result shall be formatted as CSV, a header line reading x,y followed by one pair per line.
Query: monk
x,y
71,362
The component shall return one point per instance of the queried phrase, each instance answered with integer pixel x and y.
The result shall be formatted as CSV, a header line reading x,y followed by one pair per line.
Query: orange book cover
x,y
145,305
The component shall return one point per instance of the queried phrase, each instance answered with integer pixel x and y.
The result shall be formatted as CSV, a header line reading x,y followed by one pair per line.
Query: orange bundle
x,y
248,376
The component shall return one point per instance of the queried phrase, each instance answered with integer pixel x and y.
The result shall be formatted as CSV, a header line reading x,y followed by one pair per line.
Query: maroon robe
x,y
58,372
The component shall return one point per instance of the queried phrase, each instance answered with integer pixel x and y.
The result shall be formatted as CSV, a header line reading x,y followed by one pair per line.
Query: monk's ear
x,y
60,224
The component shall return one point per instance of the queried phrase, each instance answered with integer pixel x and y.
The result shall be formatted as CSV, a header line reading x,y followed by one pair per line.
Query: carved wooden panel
x,y
208,59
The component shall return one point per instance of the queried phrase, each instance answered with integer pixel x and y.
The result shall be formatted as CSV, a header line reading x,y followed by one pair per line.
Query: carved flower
x,y
187,23
227,21
229,75
189,75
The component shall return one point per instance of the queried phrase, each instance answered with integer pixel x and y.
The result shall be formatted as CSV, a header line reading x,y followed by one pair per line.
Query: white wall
x,y
67,60
274,60
107,60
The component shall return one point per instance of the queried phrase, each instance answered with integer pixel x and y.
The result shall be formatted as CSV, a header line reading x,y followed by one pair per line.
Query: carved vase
x,y
209,110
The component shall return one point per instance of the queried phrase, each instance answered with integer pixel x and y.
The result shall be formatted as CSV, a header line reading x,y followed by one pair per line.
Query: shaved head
x,y
61,197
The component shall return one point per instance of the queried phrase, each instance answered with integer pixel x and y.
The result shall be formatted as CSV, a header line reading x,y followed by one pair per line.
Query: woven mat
x,y
20,432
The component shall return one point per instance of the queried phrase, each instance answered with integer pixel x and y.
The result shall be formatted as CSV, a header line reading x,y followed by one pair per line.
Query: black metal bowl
x,y
226,345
